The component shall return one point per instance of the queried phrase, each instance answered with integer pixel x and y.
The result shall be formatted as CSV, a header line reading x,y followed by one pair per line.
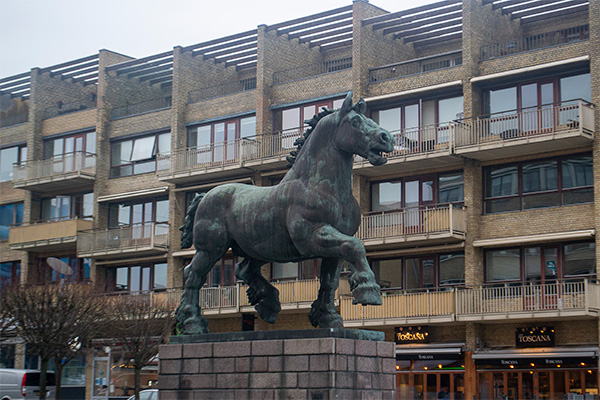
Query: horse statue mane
x,y
291,159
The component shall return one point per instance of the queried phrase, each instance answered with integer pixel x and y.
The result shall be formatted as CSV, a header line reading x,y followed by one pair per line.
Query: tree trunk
x,y
136,381
59,369
43,370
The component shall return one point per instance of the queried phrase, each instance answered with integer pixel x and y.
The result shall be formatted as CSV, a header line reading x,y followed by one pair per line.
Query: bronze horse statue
x,y
310,214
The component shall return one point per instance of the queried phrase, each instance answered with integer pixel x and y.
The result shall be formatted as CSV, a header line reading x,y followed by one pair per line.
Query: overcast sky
x,y
42,33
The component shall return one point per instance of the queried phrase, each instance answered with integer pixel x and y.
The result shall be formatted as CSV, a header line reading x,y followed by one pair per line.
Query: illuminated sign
x,y
411,334
535,337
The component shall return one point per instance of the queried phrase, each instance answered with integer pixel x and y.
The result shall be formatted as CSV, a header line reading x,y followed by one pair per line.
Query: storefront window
x,y
7,355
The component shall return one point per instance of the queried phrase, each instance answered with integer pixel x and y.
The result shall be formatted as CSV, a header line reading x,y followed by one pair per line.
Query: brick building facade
x,y
481,228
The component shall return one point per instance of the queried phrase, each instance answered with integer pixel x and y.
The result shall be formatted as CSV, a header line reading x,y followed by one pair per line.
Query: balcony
x,y
524,302
225,159
67,108
129,110
424,147
442,224
415,66
224,89
525,132
47,236
573,298
307,71
72,171
543,40
14,119
131,241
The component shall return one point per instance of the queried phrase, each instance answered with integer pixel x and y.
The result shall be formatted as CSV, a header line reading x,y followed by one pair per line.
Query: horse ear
x,y
346,106
361,106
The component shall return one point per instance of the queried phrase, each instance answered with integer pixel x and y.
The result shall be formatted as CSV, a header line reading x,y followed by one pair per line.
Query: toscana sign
x,y
412,334
535,337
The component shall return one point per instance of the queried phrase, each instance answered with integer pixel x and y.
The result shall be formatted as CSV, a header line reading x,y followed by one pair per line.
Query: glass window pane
x,y
285,270
576,87
90,142
247,127
451,188
387,196
88,205
577,172
19,213
501,181
412,266
428,273
8,156
452,269
164,143
426,191
162,211
142,168
124,216
160,276
338,103
390,119
579,196
533,263
388,273
502,205
145,279
541,200
503,265
580,259
529,95
122,279
143,148
450,109
502,100
290,119
135,280
411,116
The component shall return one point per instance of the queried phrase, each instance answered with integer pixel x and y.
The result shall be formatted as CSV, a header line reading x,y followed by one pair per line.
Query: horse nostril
x,y
383,137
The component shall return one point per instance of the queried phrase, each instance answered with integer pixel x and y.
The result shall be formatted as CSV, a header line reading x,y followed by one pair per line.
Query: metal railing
x,y
224,89
415,66
14,119
444,218
306,71
65,164
139,108
568,295
137,237
515,124
67,108
534,42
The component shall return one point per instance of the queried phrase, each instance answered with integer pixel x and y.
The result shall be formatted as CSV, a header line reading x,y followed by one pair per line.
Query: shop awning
x,y
431,352
544,356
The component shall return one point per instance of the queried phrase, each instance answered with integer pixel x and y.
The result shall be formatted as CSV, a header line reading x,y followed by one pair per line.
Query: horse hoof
x,y
195,325
331,321
367,294
184,312
268,310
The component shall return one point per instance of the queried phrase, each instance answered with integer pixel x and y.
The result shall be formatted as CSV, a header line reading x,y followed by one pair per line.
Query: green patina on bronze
x,y
310,214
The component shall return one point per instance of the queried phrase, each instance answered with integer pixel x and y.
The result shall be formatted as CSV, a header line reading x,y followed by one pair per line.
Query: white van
x,y
24,384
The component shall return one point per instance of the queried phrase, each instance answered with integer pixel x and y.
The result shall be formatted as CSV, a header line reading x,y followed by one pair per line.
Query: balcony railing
x,y
224,89
306,71
551,119
415,66
47,234
528,299
14,119
67,166
490,302
67,108
140,108
412,222
569,35
149,237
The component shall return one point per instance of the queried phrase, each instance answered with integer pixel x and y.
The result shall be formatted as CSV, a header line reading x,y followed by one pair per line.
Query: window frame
x,y
131,164
131,203
521,195
15,217
76,207
21,158
81,268
15,274
112,278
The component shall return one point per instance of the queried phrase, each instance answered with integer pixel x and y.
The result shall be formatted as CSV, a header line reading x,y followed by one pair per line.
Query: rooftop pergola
x,y
537,10
155,69
239,50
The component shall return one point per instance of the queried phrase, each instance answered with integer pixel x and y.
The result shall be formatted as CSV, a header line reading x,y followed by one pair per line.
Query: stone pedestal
x,y
315,364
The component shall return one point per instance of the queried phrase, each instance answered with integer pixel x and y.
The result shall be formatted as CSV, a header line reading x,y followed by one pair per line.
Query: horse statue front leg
x,y
326,241
261,294
322,312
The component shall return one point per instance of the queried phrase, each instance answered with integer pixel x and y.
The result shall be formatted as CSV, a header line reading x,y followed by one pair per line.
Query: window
x,y
417,192
217,142
138,278
135,212
138,156
540,263
222,273
67,207
8,157
537,184
308,269
420,272
10,273
81,270
71,153
7,355
10,214
422,124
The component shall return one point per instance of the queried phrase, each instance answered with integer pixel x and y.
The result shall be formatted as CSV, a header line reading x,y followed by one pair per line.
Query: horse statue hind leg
x,y
260,292
323,313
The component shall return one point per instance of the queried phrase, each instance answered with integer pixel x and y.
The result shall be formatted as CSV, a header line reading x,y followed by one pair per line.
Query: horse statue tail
x,y
187,237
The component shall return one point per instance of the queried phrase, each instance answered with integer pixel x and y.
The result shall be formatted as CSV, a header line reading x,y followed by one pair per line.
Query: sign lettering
x,y
412,334
535,336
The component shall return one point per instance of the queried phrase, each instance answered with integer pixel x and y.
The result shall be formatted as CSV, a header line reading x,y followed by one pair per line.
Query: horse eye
x,y
355,121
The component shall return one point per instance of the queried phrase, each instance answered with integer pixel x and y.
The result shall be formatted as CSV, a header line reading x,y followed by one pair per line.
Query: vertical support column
x,y
264,81
472,333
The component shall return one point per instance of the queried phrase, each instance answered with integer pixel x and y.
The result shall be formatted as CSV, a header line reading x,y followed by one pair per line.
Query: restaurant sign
x,y
535,337
412,334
